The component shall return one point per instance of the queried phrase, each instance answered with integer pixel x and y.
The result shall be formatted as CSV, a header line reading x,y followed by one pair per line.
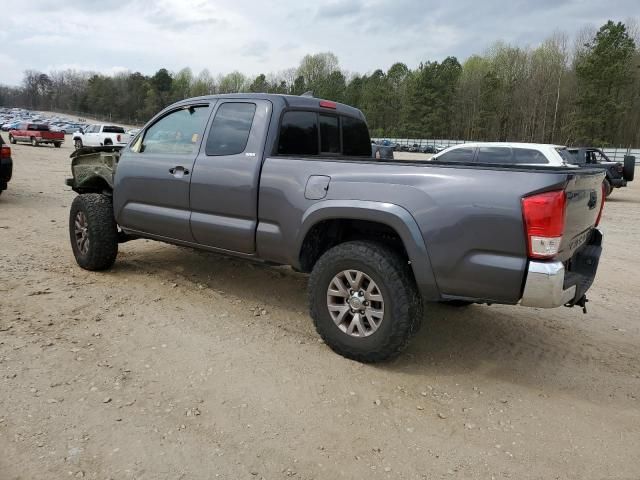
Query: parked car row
x,y
39,129
12,118
418,148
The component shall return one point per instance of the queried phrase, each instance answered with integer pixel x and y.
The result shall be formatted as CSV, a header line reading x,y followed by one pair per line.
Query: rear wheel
x,y
607,187
12,140
77,143
364,301
34,142
108,142
93,231
57,144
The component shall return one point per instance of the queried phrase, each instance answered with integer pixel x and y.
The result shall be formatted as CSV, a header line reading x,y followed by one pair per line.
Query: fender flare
x,y
389,214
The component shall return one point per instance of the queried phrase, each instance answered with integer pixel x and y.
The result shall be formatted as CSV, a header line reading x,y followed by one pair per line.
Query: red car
x,y
6,165
36,134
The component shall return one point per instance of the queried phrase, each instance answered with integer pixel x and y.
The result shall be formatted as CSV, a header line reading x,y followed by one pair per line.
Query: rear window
x,y
311,133
298,134
329,134
38,127
355,138
510,156
460,155
112,129
230,129
527,155
568,157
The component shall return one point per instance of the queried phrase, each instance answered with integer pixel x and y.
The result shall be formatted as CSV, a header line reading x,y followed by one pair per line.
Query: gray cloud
x,y
257,48
262,37
339,9
166,19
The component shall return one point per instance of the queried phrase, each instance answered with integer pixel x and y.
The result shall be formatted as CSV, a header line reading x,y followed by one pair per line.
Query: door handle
x,y
178,171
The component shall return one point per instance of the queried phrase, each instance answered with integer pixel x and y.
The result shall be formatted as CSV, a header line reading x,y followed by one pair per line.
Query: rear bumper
x,y
6,170
553,284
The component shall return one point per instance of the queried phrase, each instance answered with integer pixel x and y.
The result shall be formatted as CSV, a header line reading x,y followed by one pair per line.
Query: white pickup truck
x,y
100,135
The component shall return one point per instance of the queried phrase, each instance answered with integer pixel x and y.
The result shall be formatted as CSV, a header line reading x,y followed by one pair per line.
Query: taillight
x,y
604,195
328,104
6,152
544,223
118,138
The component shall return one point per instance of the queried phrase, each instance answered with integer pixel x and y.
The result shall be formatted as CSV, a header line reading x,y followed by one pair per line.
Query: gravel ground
x,y
178,364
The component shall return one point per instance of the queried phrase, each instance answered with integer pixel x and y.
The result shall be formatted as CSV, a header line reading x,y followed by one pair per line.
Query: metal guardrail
x,y
614,153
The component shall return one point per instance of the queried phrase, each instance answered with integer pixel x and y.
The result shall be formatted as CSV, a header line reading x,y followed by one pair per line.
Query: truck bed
x,y
469,216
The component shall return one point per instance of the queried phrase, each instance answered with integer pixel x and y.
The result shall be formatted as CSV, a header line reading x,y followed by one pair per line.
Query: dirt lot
x,y
179,364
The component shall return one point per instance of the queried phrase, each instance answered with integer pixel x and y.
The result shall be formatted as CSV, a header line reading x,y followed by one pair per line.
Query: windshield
x,y
112,129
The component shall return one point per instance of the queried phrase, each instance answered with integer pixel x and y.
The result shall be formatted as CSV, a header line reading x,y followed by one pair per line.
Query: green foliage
x,y
604,71
509,93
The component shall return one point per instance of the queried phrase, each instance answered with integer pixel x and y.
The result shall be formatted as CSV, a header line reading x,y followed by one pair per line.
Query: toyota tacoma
x,y
289,180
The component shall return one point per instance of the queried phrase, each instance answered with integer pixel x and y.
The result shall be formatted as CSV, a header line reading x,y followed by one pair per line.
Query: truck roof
x,y
284,101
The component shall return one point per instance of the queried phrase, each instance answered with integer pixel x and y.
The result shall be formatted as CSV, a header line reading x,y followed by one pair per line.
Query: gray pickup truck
x,y
290,180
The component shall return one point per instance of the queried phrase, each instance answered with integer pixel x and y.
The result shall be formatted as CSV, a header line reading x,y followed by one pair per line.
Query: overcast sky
x,y
271,35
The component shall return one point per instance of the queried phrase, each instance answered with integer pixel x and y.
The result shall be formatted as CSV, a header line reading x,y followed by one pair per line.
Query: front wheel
x,y
34,142
93,231
607,187
12,140
364,301
77,144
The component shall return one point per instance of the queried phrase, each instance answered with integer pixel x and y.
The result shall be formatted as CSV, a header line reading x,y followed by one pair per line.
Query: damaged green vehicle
x,y
93,169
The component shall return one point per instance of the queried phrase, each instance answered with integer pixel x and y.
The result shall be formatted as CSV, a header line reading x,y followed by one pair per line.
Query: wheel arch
x,y
94,184
320,222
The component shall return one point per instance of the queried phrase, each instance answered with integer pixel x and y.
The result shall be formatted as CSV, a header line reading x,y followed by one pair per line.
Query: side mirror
x,y
81,130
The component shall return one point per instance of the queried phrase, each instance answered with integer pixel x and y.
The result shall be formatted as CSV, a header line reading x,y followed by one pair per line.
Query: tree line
x,y
585,93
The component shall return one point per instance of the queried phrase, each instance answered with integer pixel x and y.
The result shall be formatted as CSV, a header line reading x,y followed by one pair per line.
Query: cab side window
x,y
230,129
178,133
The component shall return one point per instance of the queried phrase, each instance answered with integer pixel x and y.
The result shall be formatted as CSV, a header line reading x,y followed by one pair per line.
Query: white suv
x,y
506,153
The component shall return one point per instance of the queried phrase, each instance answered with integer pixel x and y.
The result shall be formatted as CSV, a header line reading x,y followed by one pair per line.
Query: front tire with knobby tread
x,y
403,304
102,231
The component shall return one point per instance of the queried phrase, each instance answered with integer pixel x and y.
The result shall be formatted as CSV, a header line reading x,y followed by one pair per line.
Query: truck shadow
x,y
621,200
553,351
535,348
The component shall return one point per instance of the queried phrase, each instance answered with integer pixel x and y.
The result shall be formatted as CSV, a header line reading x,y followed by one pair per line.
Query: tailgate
x,y
52,135
584,197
